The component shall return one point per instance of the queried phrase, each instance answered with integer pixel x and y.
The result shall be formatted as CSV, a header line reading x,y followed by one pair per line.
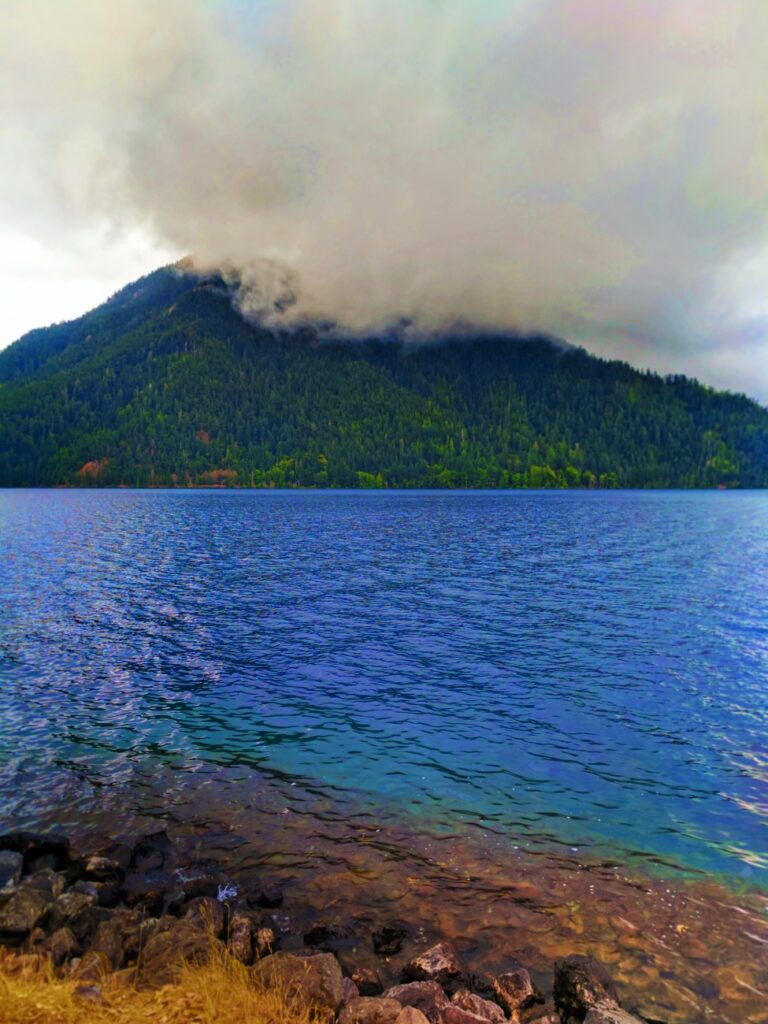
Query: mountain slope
x,y
166,384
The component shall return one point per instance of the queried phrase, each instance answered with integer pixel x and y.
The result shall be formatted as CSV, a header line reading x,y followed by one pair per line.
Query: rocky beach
x,y
129,914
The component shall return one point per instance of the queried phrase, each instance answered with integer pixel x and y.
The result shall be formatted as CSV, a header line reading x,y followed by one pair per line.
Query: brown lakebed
x,y
680,949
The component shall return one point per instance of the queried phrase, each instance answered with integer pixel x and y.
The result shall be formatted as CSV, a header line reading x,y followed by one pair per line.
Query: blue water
x,y
584,669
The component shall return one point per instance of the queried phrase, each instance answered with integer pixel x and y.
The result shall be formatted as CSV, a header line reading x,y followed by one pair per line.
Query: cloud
x,y
591,168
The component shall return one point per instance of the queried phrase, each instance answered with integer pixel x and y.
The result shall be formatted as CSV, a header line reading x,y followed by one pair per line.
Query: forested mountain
x,y
165,384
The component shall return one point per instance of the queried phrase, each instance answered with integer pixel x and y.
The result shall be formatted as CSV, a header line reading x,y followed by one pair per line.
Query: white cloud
x,y
592,168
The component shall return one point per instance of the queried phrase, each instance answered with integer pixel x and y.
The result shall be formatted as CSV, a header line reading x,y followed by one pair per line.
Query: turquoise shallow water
x,y
581,669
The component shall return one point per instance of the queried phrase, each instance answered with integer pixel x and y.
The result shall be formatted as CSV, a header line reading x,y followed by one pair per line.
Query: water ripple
x,y
586,669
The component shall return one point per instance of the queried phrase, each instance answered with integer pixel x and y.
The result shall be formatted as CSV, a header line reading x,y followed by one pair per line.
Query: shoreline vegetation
x,y
166,384
117,935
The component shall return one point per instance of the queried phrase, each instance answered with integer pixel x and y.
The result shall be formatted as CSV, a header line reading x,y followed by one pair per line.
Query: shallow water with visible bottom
x,y
520,718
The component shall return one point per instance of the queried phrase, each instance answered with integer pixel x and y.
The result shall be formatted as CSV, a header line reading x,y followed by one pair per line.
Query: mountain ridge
x,y
165,384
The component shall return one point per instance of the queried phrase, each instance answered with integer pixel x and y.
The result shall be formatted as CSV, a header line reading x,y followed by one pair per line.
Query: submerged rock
x,y
370,1010
35,846
152,853
388,940
269,896
439,963
581,983
426,996
315,981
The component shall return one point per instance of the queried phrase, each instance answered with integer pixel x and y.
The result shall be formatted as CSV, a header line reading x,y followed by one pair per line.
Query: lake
x,y
553,675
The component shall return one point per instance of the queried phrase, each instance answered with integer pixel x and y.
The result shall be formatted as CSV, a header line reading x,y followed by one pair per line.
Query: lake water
x,y
574,674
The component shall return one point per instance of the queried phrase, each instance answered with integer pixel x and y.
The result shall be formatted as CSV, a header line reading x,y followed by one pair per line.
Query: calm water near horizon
x,y
581,671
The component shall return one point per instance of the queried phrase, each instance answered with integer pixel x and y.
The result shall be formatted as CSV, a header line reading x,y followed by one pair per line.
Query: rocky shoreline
x,y
131,914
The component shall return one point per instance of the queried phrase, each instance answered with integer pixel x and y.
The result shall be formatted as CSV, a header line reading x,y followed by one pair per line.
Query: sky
x,y
595,169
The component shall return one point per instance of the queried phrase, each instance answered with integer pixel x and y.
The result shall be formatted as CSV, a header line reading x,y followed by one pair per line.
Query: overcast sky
x,y
592,168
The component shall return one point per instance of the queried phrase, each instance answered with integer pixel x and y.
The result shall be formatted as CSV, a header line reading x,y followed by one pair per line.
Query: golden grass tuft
x,y
220,992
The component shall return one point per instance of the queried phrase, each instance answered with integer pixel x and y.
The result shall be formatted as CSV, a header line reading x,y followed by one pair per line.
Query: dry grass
x,y
221,992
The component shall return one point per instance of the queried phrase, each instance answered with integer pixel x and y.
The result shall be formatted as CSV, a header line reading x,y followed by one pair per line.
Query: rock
x,y
118,853
126,978
207,912
62,946
74,910
264,942
351,991
542,1014
51,883
150,901
171,943
455,1015
34,846
11,865
240,937
323,936
388,940
368,982
87,888
47,862
482,982
426,996
25,909
608,1013
315,981
91,994
515,990
439,963
119,939
475,1004
103,869
582,982
92,967
410,1015
106,894
370,1010
35,942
